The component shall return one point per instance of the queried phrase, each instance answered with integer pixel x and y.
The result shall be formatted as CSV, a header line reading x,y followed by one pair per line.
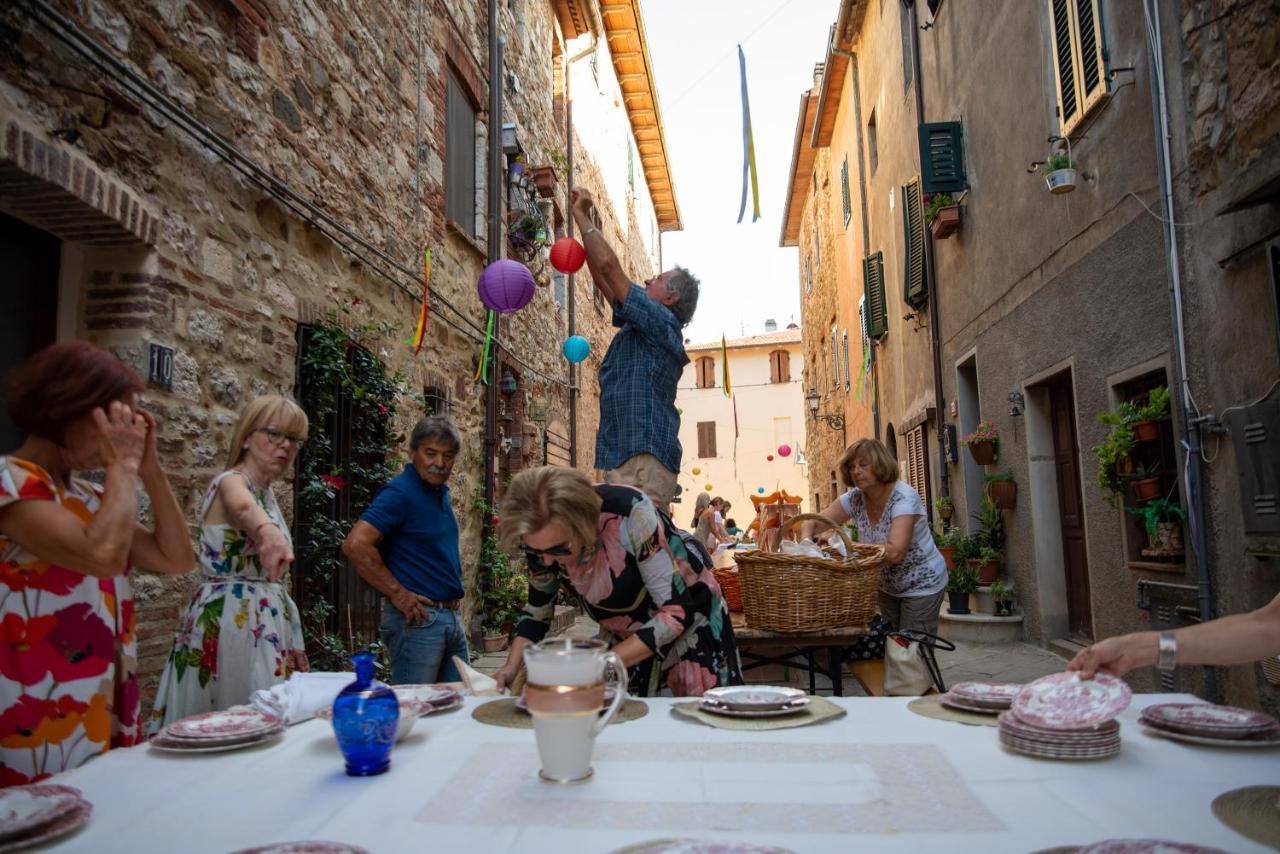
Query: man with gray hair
x,y
638,442
406,546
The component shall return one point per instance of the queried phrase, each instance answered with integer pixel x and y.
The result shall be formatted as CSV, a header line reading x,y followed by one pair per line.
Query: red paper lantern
x,y
568,255
505,286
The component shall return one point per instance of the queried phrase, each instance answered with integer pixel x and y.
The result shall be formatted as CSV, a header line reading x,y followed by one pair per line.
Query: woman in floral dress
x,y
649,586
241,630
68,652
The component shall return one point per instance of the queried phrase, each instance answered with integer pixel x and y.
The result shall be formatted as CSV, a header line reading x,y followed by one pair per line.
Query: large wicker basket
x,y
730,583
796,593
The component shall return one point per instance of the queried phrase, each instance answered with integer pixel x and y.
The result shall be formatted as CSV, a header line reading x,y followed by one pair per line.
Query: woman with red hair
x,y
68,651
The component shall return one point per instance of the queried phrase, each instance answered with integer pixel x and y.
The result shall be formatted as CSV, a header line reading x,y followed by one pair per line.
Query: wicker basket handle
x,y
815,517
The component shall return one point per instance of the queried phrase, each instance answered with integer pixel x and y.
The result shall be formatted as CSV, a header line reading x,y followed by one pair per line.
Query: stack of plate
x,y
1146,846
431,698
32,815
1065,717
987,698
214,732
753,701
1205,723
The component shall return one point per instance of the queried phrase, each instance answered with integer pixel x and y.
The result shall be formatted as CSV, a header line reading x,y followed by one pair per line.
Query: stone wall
x,y
323,97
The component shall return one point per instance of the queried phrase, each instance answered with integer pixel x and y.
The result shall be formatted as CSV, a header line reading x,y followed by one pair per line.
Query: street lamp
x,y
835,422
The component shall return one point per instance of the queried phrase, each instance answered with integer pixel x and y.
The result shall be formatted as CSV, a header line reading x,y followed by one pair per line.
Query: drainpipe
x,y
935,334
571,286
494,238
1192,423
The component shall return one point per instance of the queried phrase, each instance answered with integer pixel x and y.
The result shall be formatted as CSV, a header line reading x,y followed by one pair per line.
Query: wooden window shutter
x,y
844,190
460,154
779,366
918,462
706,370
873,285
915,287
1064,62
773,367
835,359
942,157
1093,61
844,347
1080,59
706,438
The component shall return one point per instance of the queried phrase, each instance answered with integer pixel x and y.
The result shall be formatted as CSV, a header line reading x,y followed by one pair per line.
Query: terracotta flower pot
x,y
1146,488
983,453
544,178
946,511
1004,493
949,555
946,223
495,643
988,570
1146,431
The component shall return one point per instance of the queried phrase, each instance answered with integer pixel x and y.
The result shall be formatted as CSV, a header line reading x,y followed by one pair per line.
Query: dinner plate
x,y
408,706
1065,701
230,739
1009,720
754,697
1146,846
698,846
68,822
443,706
1050,752
426,693
953,702
717,709
219,724
1197,717
310,847
1267,739
987,692
23,809
165,745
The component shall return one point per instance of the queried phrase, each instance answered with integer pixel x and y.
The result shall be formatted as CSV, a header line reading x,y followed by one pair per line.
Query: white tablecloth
x,y
879,779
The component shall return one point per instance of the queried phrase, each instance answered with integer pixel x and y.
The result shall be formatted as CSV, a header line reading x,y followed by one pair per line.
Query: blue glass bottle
x,y
365,717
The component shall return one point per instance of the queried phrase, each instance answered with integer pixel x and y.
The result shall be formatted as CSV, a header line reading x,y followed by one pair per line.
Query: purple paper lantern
x,y
505,286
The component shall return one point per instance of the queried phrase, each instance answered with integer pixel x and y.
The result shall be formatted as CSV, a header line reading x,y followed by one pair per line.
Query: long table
x,y
801,650
879,779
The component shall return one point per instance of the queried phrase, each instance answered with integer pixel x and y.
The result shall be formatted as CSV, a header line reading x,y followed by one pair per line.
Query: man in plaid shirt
x,y
638,441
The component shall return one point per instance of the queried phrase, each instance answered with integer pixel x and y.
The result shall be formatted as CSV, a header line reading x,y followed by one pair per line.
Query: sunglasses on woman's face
x,y
561,550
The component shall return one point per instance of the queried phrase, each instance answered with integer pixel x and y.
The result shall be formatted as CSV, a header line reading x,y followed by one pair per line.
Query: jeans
x,y
423,653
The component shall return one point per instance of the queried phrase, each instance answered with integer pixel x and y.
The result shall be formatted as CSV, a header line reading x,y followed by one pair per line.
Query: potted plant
x,y
528,230
1060,173
544,178
965,547
982,443
946,540
1145,426
1114,462
1162,520
1003,596
945,506
943,215
986,565
1145,482
960,584
991,521
1002,489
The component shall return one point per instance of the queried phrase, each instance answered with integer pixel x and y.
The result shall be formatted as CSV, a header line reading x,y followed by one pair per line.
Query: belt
x,y
449,604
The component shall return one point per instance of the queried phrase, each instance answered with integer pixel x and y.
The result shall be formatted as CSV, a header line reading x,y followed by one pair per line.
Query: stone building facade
x,y
208,175
1046,310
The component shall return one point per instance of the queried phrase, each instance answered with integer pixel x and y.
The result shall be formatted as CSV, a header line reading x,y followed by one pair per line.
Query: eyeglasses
x,y
279,437
561,550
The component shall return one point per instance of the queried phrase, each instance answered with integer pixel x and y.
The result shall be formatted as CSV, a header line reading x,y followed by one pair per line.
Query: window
x,y
779,366
460,153
1079,59
808,275
558,283
873,287
844,190
872,153
706,371
436,400
942,157
844,347
706,439
904,19
918,462
915,288
835,360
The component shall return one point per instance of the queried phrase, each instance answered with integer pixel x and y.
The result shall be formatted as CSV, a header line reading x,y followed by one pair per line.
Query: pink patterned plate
x,y
221,740
953,702
1146,846
1065,701
426,693
754,698
168,745
698,846
1041,751
310,847
993,693
408,706
69,821
1011,722
1266,738
23,809
242,721
442,706
1197,717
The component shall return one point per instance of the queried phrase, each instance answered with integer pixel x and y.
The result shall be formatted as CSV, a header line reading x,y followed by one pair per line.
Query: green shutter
x,y
942,157
915,288
873,285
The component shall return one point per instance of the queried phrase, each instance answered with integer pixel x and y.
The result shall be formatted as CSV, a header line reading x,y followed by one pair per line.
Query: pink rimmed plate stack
x,y
1211,725
1065,717
216,732
985,698
33,815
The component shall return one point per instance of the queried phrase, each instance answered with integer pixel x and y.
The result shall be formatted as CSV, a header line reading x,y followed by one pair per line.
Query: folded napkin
x,y
477,684
298,699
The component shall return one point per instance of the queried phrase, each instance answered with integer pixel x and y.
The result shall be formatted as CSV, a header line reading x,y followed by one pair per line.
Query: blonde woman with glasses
x,y
241,631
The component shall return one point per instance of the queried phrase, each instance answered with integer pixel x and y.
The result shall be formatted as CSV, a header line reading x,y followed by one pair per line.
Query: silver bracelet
x,y
591,230
1167,652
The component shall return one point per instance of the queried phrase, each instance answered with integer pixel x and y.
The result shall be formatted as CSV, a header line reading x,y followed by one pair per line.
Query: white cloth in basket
x,y
477,684
296,701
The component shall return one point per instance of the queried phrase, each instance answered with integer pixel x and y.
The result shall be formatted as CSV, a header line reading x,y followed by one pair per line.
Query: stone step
x,y
1065,648
979,628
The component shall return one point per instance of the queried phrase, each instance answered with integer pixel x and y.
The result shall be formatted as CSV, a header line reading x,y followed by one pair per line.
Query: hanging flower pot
x,y
544,178
1004,493
1061,181
1146,431
983,452
946,222
1145,489
982,443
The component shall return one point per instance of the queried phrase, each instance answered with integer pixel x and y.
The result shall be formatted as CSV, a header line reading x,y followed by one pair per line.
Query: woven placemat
x,y
505,713
1253,811
931,707
818,710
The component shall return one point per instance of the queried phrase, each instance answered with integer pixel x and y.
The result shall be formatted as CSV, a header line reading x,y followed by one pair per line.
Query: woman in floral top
x,y
241,630
650,587
887,510
68,652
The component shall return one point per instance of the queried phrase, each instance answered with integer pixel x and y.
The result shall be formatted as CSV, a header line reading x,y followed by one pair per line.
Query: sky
x,y
746,276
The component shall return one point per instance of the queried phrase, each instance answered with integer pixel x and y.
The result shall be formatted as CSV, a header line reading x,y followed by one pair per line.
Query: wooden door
x,y
30,259
1066,456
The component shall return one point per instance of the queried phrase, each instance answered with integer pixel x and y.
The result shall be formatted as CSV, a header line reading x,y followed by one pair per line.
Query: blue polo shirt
x,y
419,535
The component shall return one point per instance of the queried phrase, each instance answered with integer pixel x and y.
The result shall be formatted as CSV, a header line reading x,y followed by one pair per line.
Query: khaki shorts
x,y
646,473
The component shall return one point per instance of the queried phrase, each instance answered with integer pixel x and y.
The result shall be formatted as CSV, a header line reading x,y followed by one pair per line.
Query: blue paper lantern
x,y
760,489
505,286
575,349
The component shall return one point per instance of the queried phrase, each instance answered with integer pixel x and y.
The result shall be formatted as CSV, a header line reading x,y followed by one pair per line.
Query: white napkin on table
x,y
477,684
298,699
